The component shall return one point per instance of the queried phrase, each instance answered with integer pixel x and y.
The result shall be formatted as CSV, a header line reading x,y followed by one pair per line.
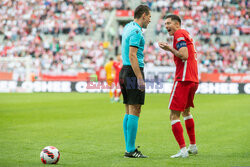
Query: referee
x,y
131,77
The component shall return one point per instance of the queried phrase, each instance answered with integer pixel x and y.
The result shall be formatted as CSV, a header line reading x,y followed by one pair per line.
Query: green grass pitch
x,y
87,130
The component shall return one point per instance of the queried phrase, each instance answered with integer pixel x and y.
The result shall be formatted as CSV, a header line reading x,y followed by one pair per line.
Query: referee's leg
x,y
133,117
125,127
135,109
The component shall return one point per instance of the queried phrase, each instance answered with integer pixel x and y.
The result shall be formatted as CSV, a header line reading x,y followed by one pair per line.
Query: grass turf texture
x,y
87,130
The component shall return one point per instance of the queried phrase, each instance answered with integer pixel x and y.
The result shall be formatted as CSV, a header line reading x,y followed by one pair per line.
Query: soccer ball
x,y
50,155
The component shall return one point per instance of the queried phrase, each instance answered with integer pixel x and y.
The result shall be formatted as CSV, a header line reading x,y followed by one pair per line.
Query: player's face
x,y
146,20
171,26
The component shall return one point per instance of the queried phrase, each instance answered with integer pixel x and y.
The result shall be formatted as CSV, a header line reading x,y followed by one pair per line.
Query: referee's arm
x,y
134,62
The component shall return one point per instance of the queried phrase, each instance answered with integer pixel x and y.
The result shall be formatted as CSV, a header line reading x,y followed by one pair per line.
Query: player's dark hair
x,y
140,10
173,17
111,59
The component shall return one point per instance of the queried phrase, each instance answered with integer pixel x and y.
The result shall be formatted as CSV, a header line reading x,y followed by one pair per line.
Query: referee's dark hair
x,y
173,17
140,10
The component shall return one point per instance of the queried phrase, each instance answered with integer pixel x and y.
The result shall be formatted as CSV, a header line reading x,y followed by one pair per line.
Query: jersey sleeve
x,y
180,41
135,39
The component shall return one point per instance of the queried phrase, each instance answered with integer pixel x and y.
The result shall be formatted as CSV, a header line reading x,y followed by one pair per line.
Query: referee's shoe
x,y
135,154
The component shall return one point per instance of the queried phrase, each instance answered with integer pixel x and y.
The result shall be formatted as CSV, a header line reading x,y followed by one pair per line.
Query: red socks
x,y
178,132
189,122
117,93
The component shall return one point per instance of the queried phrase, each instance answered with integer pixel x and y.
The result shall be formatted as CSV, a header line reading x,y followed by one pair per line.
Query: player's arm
x,y
182,51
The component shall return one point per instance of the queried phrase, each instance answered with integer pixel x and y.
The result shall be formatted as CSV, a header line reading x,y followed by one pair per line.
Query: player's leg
x,y
177,130
177,105
113,89
118,91
189,123
117,98
115,93
111,94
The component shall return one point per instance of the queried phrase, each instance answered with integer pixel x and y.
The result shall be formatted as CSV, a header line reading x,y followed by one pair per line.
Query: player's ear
x,y
144,15
176,23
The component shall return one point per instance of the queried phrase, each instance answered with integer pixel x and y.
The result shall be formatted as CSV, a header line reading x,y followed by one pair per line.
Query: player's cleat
x,y
135,154
183,153
192,149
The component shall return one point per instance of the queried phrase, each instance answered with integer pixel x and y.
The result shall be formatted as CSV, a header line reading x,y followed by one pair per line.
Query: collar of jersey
x,y
176,31
137,25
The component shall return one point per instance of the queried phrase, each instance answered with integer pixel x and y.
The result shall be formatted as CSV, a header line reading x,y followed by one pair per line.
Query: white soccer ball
x,y
50,155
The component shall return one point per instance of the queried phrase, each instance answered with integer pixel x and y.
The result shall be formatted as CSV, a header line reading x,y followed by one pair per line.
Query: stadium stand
x,y
68,36
208,22
27,25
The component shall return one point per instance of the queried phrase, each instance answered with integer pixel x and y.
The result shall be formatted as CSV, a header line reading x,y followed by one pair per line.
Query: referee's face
x,y
146,20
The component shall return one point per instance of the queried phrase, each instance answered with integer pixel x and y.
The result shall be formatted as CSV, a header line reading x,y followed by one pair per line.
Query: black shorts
x,y
129,86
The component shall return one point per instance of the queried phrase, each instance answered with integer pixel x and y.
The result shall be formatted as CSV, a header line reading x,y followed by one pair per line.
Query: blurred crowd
x,y
24,17
207,17
58,56
213,57
26,25
204,19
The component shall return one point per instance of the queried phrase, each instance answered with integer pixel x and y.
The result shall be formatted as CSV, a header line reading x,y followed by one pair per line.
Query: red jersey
x,y
118,67
186,70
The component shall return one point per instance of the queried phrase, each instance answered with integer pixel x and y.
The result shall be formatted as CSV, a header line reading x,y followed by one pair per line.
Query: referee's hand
x,y
141,85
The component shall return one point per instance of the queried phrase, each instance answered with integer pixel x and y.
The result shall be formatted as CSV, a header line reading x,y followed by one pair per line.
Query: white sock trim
x,y
188,117
183,149
174,122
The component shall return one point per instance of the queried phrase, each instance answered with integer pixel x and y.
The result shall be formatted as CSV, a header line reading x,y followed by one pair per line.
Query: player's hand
x,y
164,46
141,85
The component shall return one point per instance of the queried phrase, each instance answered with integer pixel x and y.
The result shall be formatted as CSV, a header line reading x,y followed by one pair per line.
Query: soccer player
x,y
110,73
131,77
185,84
117,66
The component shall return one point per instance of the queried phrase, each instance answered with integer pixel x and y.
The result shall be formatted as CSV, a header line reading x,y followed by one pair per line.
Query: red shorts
x,y
182,95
